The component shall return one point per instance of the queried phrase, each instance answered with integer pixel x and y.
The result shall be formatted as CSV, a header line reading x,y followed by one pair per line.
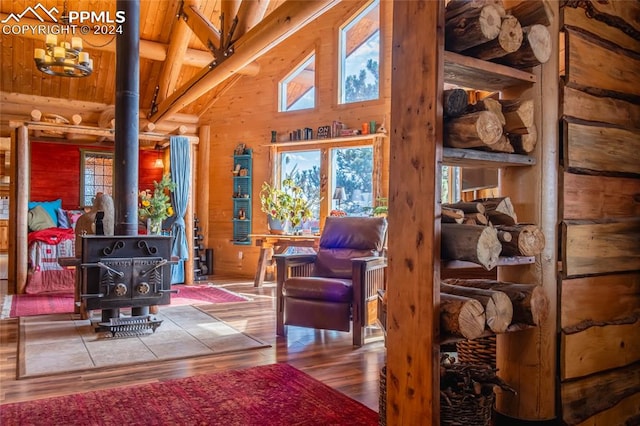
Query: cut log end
x,y
539,305
472,319
499,312
510,37
488,251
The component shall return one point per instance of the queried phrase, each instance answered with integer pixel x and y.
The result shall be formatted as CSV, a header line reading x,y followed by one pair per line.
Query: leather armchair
x,y
336,288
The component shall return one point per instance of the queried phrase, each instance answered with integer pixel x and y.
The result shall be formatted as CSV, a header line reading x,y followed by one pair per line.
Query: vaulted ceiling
x,y
174,54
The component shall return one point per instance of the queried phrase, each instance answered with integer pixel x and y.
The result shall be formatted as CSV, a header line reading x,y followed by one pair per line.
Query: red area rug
x,y
25,305
276,394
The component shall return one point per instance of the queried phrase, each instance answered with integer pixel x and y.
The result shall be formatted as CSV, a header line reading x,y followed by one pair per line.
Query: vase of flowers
x,y
156,206
285,204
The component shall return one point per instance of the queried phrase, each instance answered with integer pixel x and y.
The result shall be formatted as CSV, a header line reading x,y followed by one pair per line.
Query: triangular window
x,y
298,89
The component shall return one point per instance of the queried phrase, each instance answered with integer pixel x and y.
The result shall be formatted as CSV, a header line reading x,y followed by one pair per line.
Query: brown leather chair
x,y
337,286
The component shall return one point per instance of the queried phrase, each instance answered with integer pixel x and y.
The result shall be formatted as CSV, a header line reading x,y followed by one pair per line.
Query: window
x,y
320,170
304,168
298,89
450,181
96,175
352,170
360,56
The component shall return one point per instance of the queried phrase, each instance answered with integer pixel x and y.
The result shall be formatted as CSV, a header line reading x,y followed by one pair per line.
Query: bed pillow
x,y
39,219
63,219
73,216
50,207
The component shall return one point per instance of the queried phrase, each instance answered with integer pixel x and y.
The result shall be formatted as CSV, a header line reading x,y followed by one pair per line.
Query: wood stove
x,y
125,271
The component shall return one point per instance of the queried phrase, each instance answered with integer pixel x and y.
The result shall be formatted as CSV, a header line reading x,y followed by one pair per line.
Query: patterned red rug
x,y
24,305
276,394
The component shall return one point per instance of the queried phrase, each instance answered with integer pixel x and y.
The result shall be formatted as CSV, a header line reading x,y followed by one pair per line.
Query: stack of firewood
x,y
490,124
517,37
483,230
470,308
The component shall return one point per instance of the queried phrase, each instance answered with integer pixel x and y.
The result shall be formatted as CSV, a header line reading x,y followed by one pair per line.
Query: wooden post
x,y
414,225
202,180
527,359
188,219
22,168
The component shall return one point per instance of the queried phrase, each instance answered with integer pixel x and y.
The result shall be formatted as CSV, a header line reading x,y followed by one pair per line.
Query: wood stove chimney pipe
x,y
125,168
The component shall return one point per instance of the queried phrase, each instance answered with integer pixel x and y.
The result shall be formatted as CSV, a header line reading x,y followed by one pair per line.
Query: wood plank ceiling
x,y
159,25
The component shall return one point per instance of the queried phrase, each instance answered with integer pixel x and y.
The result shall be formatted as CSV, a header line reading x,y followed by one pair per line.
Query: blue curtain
x,y
181,175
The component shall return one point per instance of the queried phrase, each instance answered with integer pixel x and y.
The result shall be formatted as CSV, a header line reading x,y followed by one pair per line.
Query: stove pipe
x,y
125,169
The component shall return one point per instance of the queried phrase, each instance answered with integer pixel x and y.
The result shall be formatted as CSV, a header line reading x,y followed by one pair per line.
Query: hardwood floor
x,y
326,355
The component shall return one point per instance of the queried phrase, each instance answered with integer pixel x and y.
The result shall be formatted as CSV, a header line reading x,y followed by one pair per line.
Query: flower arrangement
x,y
156,206
286,203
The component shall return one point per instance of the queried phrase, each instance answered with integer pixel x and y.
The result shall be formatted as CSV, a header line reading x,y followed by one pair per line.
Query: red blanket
x,y
51,235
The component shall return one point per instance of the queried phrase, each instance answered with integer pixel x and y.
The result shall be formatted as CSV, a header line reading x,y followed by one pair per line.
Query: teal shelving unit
x,y
242,194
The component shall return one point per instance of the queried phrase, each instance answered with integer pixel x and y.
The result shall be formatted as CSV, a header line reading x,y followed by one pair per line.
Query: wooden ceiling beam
x,y
249,14
201,27
276,27
170,73
92,131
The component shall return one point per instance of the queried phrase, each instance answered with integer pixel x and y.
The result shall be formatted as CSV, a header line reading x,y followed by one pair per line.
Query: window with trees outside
x,y
350,168
298,89
96,172
360,56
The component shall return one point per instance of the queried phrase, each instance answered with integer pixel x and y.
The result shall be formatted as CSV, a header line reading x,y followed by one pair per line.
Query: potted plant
x,y
286,205
156,207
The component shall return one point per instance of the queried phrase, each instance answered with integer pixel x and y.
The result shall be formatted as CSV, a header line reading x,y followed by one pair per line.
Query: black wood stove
x,y
125,271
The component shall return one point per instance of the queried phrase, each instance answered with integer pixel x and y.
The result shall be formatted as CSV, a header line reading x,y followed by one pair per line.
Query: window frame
x,y
325,147
301,65
84,153
341,44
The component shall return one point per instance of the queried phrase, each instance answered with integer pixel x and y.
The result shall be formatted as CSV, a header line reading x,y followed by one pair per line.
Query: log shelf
x,y
502,261
450,339
463,157
467,71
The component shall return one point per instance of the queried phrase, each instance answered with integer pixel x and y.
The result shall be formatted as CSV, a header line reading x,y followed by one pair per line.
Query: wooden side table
x,y
272,243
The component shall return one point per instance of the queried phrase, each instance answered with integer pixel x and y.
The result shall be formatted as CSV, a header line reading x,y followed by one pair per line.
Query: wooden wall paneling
x,y
601,68
581,105
414,232
576,18
599,197
247,112
598,349
608,398
589,247
584,148
626,412
599,301
7,71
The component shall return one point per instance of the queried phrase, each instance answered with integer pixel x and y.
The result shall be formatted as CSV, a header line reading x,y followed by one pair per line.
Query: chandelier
x,y
63,59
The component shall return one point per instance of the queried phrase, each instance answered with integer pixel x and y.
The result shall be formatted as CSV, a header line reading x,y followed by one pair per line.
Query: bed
x,y
48,241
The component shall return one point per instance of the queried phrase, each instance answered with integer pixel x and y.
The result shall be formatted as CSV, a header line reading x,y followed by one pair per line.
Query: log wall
x,y
65,184
248,111
599,357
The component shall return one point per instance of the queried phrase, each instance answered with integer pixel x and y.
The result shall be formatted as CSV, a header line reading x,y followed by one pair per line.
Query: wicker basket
x,y
478,351
463,410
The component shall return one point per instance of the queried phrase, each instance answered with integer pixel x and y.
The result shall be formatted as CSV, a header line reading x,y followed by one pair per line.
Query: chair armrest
x,y
369,263
288,260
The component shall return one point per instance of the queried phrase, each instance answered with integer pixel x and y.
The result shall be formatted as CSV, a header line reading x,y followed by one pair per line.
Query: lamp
x,y
158,163
63,59
340,195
